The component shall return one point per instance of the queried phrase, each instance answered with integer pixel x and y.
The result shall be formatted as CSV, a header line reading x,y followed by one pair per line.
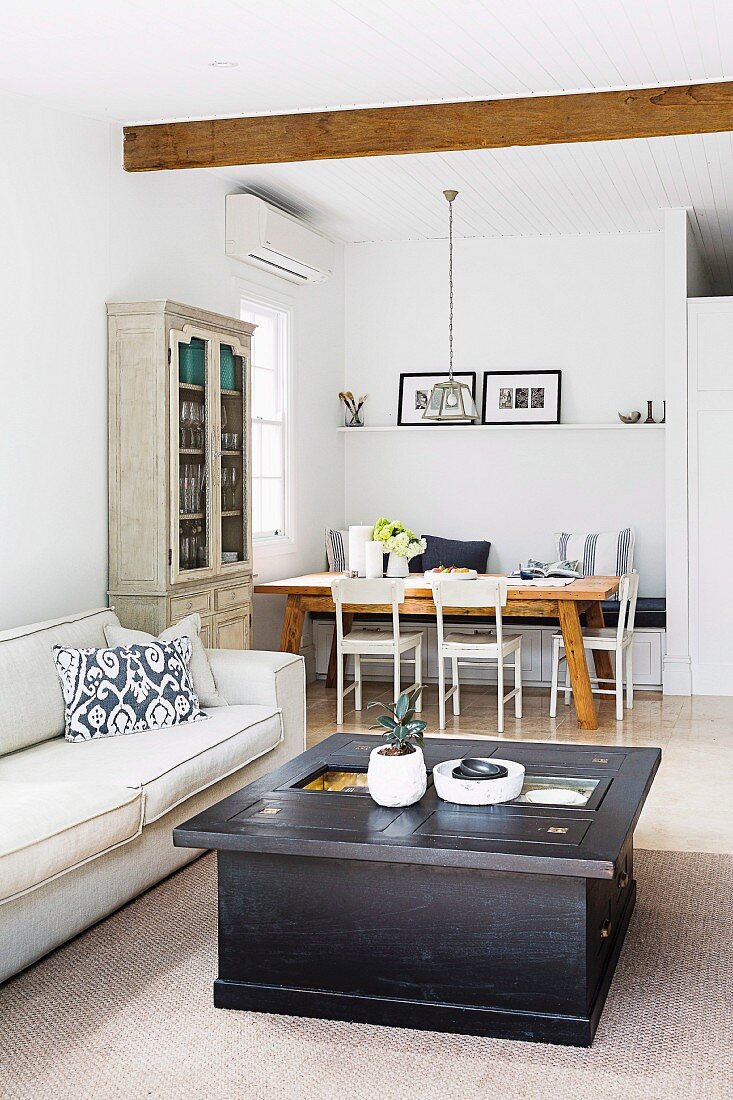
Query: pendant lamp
x,y
450,401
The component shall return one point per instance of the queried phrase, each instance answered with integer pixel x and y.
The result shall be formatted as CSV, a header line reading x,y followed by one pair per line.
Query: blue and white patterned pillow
x,y
126,689
600,553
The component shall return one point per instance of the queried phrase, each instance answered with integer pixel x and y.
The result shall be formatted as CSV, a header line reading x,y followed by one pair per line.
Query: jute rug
x,y
125,1011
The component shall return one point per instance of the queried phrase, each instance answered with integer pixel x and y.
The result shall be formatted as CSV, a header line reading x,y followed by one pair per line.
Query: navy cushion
x,y
464,555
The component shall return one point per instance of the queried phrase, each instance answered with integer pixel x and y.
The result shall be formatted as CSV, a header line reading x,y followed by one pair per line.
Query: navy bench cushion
x,y
462,554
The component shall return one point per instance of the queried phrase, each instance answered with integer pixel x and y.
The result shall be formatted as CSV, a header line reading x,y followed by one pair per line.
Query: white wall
x,y
54,246
590,306
89,233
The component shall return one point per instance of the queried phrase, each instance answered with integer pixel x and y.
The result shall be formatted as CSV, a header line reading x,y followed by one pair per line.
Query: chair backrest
x,y
381,592
627,592
489,592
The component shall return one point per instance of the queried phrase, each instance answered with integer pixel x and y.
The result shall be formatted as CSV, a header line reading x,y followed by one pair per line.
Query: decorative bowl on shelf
x,y
478,790
630,418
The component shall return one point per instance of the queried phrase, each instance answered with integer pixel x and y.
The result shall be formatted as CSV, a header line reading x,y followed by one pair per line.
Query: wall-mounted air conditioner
x,y
260,234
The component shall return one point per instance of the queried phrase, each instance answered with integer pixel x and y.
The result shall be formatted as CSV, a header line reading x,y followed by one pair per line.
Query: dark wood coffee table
x,y
504,921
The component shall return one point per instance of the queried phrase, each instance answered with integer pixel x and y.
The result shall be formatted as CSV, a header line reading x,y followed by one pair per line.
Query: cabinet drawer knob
x,y
606,928
623,880
189,604
232,595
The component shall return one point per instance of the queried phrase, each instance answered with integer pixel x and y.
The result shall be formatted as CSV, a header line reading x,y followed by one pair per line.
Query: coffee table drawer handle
x,y
622,880
606,928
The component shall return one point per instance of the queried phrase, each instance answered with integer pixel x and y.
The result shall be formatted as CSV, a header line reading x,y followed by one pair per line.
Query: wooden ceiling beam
x,y
430,128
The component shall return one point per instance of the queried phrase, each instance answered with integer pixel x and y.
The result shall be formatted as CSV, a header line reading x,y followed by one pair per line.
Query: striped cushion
x,y
337,550
600,553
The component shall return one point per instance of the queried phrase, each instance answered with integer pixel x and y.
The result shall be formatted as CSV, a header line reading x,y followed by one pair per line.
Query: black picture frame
x,y
462,376
520,374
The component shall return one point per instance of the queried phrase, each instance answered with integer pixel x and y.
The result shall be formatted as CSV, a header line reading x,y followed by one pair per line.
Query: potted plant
x,y
400,543
396,774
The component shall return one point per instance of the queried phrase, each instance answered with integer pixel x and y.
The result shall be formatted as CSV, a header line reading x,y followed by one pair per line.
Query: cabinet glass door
x,y
191,461
234,471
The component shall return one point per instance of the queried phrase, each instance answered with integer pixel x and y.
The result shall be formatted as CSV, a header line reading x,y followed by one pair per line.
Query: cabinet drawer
x,y
231,631
238,596
185,605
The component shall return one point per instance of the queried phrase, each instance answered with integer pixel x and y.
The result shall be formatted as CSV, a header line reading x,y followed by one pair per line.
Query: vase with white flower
x,y
400,543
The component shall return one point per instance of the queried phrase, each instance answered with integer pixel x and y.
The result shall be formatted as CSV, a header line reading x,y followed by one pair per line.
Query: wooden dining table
x,y
564,604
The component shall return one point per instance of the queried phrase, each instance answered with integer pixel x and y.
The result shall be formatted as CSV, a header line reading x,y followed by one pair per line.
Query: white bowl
x,y
478,792
469,576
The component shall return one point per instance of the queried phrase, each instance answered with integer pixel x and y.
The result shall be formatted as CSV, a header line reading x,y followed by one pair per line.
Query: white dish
x,y
556,796
469,576
478,792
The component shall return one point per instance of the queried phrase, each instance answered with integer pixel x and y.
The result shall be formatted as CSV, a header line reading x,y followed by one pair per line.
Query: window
x,y
270,446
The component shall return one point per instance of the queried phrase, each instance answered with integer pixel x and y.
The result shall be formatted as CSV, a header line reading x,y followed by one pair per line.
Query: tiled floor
x,y
690,807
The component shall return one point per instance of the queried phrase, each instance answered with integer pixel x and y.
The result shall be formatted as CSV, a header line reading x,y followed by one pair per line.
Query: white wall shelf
x,y
636,428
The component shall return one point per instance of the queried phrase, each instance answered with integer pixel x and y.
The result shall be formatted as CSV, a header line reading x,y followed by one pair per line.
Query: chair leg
x,y
500,685
629,677
457,686
418,675
357,679
339,688
567,683
441,690
619,686
555,674
396,676
518,682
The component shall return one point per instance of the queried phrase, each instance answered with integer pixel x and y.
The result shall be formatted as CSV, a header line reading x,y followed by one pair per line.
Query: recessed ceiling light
x,y
223,64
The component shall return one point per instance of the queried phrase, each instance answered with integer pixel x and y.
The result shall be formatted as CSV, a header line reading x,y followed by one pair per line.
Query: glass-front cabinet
x,y
209,455
180,496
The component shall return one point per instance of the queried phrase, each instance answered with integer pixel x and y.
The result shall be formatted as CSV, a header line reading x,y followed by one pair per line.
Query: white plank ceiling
x,y
598,187
150,59
145,60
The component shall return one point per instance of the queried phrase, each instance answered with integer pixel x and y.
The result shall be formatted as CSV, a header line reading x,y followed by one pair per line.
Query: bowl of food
x,y
450,573
478,789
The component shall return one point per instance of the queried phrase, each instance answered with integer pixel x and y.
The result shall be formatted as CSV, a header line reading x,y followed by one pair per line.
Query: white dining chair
x,y
373,645
489,592
618,640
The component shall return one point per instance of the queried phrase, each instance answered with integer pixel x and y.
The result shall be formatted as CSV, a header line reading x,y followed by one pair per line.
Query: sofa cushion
x,y
49,827
169,765
112,692
32,704
464,555
199,667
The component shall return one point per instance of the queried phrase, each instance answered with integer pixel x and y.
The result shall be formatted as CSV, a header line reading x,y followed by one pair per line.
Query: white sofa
x,y
85,827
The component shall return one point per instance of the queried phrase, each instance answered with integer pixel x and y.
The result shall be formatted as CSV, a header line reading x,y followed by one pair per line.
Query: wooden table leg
x,y
577,664
292,631
601,657
331,674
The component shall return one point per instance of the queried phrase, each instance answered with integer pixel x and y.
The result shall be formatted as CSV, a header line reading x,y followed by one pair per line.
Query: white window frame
x,y
252,295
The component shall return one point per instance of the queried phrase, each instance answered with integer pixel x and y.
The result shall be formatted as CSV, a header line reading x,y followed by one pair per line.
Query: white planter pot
x,y
396,780
397,566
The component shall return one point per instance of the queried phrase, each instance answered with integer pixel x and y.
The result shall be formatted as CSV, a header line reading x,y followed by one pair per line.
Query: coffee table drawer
x,y
516,829
356,817
567,757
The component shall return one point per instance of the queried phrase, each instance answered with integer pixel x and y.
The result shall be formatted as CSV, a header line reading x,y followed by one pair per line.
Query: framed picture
x,y
521,397
415,393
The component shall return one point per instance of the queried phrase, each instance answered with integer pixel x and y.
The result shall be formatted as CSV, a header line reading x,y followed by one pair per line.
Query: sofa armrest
x,y
264,679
